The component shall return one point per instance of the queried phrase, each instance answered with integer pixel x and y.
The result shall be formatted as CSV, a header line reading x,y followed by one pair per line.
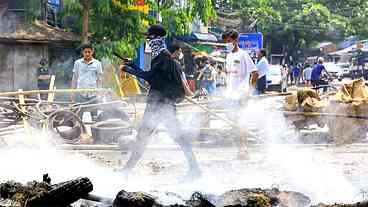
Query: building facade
x,y
24,44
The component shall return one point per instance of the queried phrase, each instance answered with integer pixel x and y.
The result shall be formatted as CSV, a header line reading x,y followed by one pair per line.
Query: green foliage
x,y
116,27
294,25
179,19
203,9
33,9
113,24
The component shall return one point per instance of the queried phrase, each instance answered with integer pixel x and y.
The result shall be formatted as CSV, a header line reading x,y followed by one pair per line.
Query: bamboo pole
x,y
84,90
23,109
297,113
105,104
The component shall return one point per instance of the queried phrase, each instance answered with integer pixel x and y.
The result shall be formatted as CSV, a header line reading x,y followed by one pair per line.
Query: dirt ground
x,y
323,172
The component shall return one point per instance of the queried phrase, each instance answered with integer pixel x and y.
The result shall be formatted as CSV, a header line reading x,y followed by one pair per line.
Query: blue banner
x,y
251,41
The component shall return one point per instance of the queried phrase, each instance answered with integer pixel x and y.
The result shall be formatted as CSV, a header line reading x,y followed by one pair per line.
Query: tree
x,y
86,9
178,18
354,11
293,26
114,24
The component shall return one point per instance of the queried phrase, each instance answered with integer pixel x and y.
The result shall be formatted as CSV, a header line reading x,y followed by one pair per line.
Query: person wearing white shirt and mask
x,y
262,66
242,72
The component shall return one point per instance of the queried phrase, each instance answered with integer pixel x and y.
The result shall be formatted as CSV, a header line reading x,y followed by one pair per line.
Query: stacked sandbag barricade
x,y
351,100
345,113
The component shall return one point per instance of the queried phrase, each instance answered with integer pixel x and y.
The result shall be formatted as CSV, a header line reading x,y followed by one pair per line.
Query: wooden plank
x,y
51,96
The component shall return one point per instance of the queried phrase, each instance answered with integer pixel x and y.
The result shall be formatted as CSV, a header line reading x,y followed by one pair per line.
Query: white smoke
x,y
274,164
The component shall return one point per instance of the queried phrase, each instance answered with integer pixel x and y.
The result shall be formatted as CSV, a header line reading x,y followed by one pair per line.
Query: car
x,y
333,69
274,78
338,70
345,70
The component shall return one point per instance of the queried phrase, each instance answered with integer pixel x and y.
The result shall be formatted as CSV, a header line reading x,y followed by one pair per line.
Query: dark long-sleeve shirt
x,y
163,77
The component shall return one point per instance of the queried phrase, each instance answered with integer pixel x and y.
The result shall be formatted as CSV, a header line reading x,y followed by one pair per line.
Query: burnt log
x,y
42,194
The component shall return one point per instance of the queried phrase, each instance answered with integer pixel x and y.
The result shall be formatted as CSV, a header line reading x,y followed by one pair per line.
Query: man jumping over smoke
x,y
167,88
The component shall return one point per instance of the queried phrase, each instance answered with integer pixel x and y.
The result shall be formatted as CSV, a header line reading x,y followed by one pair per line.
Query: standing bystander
x,y
207,76
296,74
307,73
262,66
87,74
43,78
239,66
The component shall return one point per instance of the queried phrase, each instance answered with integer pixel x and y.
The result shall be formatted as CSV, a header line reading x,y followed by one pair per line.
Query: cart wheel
x,y
73,125
9,115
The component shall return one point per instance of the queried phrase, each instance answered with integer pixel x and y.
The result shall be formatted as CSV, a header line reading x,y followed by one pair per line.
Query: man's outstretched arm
x,y
145,75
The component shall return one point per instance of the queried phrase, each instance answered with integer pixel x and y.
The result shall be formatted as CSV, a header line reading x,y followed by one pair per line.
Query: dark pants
x,y
43,86
317,83
261,85
81,98
156,113
291,78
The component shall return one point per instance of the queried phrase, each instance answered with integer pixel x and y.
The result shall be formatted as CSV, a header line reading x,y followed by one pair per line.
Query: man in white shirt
x,y
262,66
87,73
239,66
307,74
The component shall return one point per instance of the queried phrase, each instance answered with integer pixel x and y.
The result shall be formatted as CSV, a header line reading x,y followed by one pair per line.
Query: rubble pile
x,y
358,204
43,194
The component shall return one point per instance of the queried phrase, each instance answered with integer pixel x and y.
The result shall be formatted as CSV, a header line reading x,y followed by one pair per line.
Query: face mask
x,y
157,45
181,56
230,47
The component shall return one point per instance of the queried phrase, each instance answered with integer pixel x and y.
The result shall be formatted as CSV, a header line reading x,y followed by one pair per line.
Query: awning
x,y
205,37
198,38
351,49
344,51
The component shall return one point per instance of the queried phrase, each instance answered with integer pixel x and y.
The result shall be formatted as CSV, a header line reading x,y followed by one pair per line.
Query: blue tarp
x,y
54,2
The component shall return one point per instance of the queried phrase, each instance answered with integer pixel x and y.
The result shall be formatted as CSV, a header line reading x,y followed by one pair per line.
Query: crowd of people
x,y
169,84
306,74
239,72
